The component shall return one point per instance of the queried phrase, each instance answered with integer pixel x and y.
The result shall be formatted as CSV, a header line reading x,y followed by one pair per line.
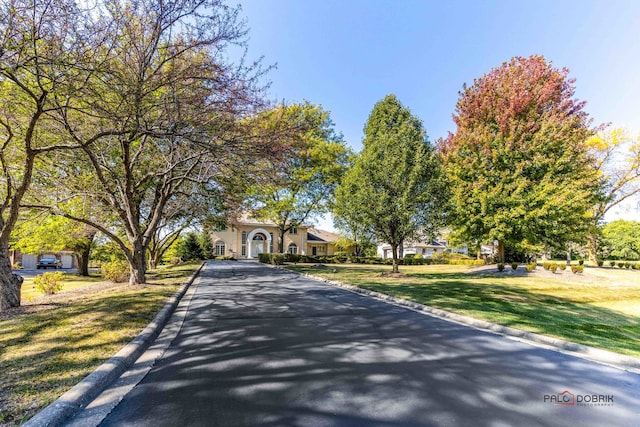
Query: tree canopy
x,y
519,166
394,189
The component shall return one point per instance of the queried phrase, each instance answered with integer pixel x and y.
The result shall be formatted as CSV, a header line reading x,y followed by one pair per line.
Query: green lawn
x,y
45,352
600,308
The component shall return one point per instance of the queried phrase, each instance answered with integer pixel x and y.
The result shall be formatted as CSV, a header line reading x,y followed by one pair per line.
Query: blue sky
x,y
347,55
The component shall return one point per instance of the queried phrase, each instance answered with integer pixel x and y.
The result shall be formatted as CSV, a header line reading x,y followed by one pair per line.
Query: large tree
x,y
622,239
45,51
617,157
165,110
519,167
395,188
300,185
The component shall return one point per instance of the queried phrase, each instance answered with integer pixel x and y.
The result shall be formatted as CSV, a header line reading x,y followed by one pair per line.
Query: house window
x,y
271,243
293,248
220,248
294,230
322,249
244,243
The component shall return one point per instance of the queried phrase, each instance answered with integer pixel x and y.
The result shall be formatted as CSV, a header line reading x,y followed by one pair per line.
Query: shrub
x,y
612,263
621,264
514,266
546,265
627,265
295,258
530,267
175,260
48,283
500,266
277,259
600,263
580,262
117,271
562,266
577,269
265,258
553,267
466,262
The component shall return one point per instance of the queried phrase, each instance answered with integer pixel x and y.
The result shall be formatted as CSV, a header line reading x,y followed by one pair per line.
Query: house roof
x,y
322,236
245,218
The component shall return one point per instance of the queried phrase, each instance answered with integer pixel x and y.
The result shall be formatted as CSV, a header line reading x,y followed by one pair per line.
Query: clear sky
x,y
348,54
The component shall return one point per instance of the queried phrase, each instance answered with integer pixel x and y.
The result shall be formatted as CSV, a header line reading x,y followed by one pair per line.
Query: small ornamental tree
x,y
394,190
518,163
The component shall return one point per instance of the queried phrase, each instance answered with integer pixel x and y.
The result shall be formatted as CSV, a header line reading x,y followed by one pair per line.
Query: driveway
x,y
263,346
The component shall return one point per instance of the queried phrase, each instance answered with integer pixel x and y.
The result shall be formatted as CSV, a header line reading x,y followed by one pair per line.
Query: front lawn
x,y
58,341
600,308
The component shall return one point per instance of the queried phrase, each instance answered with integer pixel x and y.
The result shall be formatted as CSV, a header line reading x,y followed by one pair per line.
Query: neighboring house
x,y
29,261
246,238
426,249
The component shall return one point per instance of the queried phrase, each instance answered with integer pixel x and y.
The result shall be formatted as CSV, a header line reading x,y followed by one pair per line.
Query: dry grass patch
x,y
46,352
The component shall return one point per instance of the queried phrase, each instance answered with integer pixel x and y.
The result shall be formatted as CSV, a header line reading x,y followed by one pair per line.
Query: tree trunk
x,y
500,253
281,240
394,255
154,258
479,253
401,250
82,253
137,265
10,284
592,245
569,257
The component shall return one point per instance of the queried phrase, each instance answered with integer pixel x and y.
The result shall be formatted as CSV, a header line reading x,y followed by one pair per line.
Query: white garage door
x,y
29,261
67,261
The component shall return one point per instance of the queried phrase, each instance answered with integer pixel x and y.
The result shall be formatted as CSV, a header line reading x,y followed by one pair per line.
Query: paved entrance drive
x,y
265,347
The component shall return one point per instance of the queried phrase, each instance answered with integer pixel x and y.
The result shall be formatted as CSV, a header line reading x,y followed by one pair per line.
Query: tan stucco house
x,y
246,238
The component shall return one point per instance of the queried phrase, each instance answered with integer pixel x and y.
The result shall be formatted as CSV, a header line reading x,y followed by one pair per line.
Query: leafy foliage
x,y
519,165
48,283
189,248
622,239
301,184
117,271
394,190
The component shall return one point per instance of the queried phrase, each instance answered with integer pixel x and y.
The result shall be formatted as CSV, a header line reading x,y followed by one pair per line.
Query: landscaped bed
x,y
50,344
600,307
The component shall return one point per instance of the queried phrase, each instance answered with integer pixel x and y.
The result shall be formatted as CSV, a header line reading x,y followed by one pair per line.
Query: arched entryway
x,y
258,242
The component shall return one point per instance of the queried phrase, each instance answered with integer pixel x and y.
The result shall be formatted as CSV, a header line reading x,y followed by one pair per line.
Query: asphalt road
x,y
264,347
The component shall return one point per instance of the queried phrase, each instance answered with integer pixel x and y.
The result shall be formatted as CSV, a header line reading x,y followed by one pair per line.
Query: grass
x,y
600,308
44,353
70,282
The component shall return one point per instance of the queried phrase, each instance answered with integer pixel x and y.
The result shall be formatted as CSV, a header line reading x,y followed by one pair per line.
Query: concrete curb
x,y
93,384
619,361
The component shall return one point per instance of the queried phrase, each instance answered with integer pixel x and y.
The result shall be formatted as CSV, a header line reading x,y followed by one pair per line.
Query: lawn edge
x,y
609,358
93,384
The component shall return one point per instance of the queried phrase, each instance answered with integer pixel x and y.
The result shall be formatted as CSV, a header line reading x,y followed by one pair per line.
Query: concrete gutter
x,y
93,384
609,358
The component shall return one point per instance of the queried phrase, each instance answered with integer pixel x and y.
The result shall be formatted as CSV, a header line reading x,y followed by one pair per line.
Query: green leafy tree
x,y
206,245
617,157
301,184
395,188
518,163
189,248
55,233
44,52
622,239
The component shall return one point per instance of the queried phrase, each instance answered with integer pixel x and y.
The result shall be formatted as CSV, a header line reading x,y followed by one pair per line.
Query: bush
x,y
580,262
175,260
48,283
553,267
562,266
117,271
577,269
621,264
546,265
466,262
600,263
514,266
277,259
612,263
264,258
500,266
530,267
295,258
627,265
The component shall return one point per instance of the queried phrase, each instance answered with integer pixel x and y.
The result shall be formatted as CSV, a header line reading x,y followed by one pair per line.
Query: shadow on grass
x,y
497,302
45,353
